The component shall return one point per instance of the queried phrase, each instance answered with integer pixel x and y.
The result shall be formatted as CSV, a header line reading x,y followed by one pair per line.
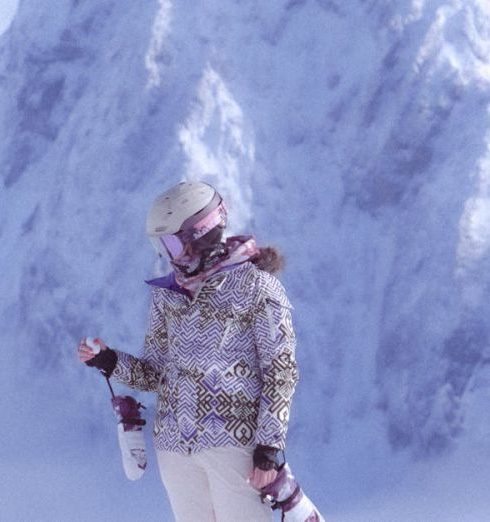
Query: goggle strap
x,y
189,223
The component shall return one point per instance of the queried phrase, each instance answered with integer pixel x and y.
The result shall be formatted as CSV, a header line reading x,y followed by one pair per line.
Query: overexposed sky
x,y
7,11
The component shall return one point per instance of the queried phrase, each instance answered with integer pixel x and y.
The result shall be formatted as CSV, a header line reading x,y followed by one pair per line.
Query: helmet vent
x,y
183,202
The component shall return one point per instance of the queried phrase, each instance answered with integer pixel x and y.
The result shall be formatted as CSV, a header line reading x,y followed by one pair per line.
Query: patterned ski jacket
x,y
222,363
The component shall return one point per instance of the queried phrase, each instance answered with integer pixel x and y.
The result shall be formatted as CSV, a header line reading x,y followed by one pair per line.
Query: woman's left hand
x,y
260,478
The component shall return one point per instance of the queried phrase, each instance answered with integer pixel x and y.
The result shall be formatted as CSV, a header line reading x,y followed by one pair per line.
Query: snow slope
x,y
8,9
352,134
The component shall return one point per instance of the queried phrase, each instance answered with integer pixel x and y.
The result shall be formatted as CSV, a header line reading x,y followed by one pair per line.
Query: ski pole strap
x,y
110,386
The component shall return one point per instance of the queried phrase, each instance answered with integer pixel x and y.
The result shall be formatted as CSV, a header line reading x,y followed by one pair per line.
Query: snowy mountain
x,y
353,135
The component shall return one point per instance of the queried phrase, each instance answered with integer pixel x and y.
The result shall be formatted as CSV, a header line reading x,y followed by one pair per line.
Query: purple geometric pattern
x,y
222,364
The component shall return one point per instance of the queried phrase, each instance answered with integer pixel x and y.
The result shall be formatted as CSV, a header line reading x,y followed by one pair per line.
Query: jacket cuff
x,y
266,457
105,361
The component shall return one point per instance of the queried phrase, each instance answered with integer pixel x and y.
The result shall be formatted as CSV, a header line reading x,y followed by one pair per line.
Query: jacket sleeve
x,y
275,341
143,373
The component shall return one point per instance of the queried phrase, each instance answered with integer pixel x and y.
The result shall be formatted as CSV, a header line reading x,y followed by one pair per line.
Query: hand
x,y
259,478
85,353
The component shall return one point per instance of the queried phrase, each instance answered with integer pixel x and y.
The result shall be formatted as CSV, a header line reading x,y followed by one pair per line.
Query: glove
x,y
105,361
266,457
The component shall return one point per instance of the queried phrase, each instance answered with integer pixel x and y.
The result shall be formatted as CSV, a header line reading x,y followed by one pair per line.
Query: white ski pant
x,y
211,486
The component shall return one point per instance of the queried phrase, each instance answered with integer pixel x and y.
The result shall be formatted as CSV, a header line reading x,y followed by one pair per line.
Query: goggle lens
x,y
198,234
174,245
169,244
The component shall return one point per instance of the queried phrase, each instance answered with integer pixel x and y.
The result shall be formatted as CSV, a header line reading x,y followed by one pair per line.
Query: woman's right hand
x,y
85,353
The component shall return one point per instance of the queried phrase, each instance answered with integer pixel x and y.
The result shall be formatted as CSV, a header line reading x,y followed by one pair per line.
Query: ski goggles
x,y
194,233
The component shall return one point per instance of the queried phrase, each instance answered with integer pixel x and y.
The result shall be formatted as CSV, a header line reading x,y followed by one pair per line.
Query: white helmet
x,y
170,210
188,212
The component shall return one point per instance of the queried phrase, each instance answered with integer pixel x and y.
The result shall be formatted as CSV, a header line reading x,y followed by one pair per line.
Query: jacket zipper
x,y
228,323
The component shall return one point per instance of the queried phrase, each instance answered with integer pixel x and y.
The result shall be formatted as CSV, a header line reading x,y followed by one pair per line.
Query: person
x,y
219,353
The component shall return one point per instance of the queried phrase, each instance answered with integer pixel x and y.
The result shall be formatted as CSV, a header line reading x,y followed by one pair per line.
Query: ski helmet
x,y
187,223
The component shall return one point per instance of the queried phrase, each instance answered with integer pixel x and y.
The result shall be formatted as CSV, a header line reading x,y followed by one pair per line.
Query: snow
x,y
353,135
7,13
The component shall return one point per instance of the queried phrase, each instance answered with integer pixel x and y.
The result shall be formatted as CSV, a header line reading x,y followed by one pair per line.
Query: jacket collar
x,y
169,282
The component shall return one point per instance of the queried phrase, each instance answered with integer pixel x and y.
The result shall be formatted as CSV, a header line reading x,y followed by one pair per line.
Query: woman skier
x,y
220,355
